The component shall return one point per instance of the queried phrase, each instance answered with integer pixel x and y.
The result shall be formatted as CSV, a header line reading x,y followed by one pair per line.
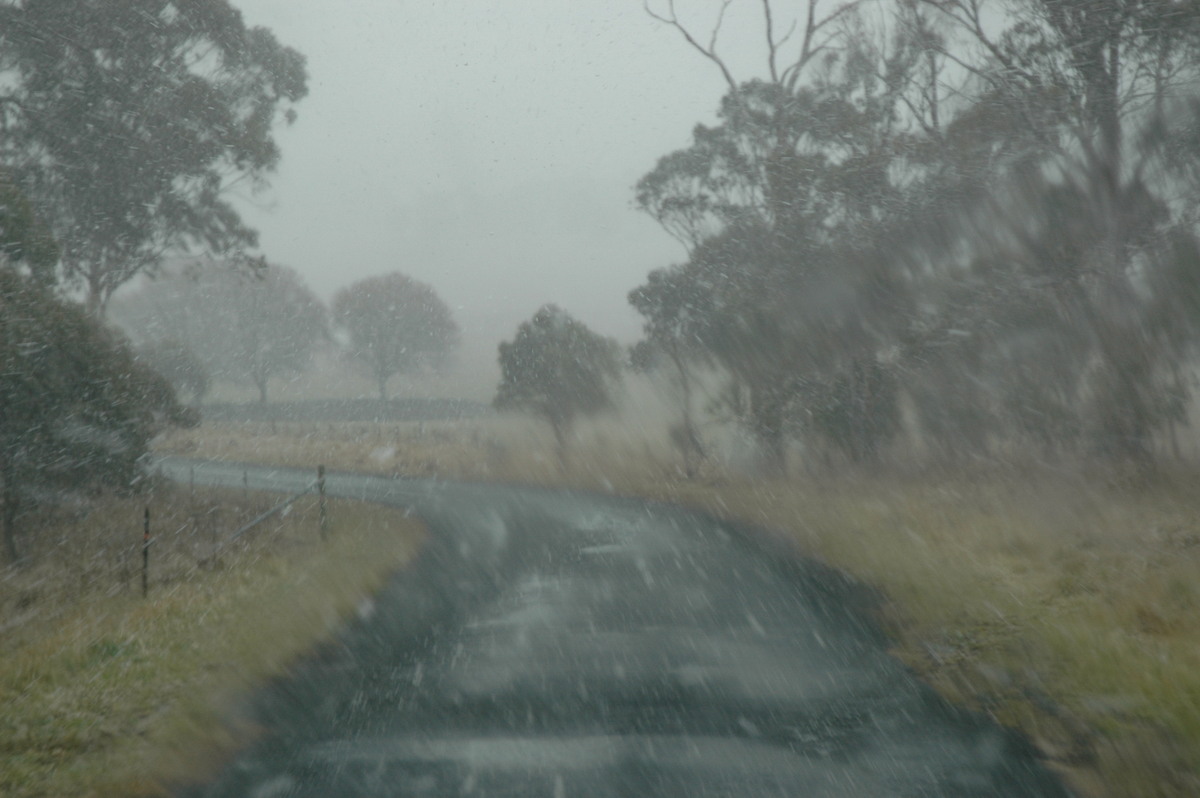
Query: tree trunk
x,y
560,442
98,294
693,449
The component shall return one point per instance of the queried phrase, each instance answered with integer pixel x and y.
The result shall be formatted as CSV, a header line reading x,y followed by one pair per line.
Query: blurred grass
x,y
104,693
1062,601
1063,606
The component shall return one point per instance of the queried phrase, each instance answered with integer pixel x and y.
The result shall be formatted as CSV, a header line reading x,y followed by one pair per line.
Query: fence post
x,y
214,518
146,553
324,522
245,484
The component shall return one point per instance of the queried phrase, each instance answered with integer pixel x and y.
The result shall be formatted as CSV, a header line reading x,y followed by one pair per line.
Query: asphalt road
x,y
561,644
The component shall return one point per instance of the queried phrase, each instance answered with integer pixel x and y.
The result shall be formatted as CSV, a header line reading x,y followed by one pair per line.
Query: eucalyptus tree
x,y
1087,217
777,206
990,197
676,309
395,325
557,369
126,121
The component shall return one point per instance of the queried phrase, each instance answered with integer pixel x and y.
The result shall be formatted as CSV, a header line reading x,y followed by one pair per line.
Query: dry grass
x,y
1062,603
96,682
506,449
1067,611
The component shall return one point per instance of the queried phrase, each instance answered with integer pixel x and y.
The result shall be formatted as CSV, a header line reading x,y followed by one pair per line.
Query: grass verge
x,y
104,693
1067,610
1061,603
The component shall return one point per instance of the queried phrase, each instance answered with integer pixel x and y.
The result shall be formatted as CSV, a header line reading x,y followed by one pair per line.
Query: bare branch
x,y
813,26
966,14
712,40
771,45
709,52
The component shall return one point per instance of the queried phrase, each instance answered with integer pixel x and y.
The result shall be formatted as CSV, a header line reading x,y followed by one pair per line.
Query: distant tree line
x,y
207,321
976,216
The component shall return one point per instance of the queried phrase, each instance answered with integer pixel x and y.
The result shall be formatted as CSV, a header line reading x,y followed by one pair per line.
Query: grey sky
x,y
487,147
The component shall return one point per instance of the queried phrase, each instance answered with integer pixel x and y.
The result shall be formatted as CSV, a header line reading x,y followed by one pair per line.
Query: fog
x,y
489,150
907,287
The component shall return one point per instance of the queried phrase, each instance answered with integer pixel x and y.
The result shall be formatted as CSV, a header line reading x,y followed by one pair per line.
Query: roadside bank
x,y
106,693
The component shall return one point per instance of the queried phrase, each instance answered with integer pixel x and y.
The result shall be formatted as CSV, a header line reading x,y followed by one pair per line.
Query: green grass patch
x,y
106,693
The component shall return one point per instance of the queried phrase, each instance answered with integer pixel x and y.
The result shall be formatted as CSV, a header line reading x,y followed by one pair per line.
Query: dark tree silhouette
x,y
558,370
126,120
77,410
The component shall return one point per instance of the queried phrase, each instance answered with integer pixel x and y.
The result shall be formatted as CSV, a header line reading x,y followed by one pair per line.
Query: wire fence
x,y
82,553
316,486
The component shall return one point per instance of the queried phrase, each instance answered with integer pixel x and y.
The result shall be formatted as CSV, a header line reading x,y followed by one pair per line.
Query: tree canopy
x,y
677,310
986,208
394,325
557,369
179,365
125,121
24,240
77,410
244,325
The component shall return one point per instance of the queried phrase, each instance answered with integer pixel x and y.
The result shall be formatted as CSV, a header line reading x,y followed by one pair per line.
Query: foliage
x,y
675,310
126,120
858,411
24,240
77,411
244,326
997,202
1083,214
396,325
793,183
557,369
179,365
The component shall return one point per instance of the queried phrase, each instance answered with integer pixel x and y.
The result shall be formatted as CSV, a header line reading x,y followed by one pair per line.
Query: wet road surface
x,y
560,644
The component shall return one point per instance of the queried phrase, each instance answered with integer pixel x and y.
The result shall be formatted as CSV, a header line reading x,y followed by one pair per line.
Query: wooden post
x,y
192,484
146,553
214,518
321,501
245,484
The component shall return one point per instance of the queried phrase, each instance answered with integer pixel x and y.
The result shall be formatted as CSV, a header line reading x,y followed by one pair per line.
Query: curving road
x,y
559,644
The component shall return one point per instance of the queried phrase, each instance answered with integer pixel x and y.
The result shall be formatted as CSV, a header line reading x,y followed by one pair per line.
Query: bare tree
x,y
818,32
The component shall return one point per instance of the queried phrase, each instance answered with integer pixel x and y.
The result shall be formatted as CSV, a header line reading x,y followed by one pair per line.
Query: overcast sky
x,y
487,147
